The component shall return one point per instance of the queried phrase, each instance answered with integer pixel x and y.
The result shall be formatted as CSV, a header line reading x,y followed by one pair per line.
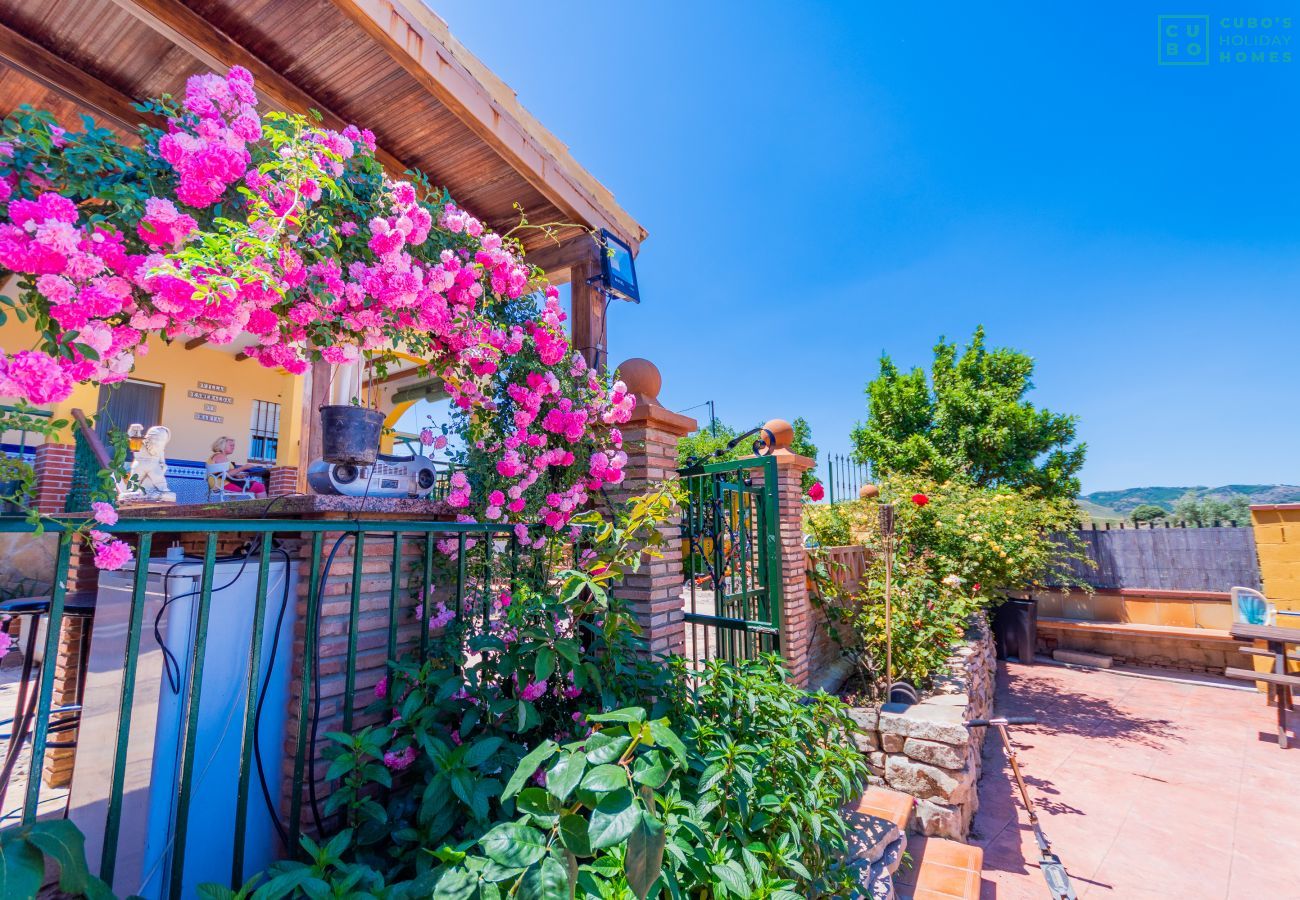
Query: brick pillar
x,y
799,624
81,576
650,441
54,465
282,480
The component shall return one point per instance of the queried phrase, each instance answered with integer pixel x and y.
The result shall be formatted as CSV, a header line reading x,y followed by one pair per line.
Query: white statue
x,y
148,478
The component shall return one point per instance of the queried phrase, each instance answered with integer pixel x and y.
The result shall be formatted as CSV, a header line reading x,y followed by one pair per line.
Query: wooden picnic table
x,y
1280,682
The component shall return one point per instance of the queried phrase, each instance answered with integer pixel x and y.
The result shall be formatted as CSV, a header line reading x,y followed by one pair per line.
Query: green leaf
x,y
545,663
456,884
62,841
632,715
732,876
548,881
664,736
565,774
481,751
652,775
573,834
537,803
527,766
513,844
613,819
601,748
604,779
22,868
645,854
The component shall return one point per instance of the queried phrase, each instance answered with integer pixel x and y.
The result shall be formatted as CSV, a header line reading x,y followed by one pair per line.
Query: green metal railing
x,y
498,559
732,559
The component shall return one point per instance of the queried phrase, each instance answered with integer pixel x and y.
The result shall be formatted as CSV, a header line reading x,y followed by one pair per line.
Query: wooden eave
x,y
388,65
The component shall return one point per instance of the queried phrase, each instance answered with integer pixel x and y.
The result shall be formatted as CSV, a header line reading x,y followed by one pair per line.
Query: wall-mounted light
x,y
135,436
617,268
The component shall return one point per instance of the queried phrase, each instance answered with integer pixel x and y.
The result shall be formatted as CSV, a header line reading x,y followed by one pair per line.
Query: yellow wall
x,y
1277,541
179,371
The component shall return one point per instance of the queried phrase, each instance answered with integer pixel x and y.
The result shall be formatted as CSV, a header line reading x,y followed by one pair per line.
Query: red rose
x,y
920,499
816,492
976,587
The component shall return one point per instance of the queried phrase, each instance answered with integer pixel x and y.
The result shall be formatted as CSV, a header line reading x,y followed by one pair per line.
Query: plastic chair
x,y
217,491
1250,607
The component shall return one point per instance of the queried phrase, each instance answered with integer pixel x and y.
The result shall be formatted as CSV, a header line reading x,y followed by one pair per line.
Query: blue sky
x,y
825,182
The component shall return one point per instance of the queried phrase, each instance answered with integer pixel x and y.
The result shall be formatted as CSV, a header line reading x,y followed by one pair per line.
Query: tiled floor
x,y
1146,788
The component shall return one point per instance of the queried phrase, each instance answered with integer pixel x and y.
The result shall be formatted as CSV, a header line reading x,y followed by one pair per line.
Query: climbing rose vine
x,y
228,224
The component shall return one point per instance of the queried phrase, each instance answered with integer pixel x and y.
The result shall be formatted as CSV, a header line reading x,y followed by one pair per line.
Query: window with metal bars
x,y
264,435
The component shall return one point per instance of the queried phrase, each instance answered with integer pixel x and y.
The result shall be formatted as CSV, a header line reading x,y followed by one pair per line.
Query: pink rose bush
x,y
267,226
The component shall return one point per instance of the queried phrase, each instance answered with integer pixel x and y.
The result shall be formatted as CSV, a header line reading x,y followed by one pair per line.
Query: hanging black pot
x,y
350,434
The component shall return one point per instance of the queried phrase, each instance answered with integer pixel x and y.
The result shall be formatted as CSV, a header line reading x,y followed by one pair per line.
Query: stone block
x,y
928,782
936,820
936,753
928,721
867,717
867,741
892,742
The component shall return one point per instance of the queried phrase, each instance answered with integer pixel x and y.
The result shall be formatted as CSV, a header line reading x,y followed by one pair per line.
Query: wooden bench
x,y
1283,685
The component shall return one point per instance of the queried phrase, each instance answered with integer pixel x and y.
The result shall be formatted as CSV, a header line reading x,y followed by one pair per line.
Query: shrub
x,y
957,547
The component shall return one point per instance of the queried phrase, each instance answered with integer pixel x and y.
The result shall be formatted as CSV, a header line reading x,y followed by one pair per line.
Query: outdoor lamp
x,y
135,436
617,268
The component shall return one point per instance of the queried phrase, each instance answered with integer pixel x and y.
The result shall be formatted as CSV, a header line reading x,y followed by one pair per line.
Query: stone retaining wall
x,y
926,750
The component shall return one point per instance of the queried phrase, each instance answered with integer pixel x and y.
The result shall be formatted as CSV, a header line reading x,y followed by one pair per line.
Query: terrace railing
x,y
338,647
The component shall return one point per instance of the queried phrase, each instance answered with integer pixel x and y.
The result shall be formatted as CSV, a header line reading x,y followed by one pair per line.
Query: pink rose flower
x,y
104,513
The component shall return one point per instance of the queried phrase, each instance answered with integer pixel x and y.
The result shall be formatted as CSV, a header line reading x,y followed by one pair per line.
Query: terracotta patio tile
x,y
1146,789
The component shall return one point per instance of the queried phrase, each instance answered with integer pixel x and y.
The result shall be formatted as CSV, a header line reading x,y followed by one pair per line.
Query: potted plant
x,y
350,431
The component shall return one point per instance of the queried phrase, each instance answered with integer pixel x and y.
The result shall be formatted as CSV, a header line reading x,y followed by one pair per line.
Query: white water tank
x,y
154,760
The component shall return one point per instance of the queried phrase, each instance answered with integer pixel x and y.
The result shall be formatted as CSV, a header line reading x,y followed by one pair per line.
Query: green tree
x,y
970,417
1147,512
1206,511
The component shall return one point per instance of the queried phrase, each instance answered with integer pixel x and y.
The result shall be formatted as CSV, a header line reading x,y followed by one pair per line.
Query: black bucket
x,y
350,434
1015,629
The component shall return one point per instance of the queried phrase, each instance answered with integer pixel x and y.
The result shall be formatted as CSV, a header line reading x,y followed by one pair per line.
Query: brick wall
x,y
54,465
283,480
655,592
805,645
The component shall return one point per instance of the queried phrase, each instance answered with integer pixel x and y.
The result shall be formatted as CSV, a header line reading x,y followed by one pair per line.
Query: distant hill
x,y
1103,505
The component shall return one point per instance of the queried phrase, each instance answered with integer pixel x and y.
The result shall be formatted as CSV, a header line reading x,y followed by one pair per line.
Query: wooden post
x,y
590,337
315,389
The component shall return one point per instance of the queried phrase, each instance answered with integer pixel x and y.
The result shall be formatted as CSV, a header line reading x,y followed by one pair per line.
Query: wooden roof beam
x,y
214,48
410,34
31,59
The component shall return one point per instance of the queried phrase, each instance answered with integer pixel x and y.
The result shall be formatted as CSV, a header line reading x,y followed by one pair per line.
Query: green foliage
x,y
732,789
1207,511
1147,512
969,419
24,850
955,554
771,768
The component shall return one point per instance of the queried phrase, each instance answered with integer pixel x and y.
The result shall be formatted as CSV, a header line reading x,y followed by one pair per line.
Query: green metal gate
x,y
732,557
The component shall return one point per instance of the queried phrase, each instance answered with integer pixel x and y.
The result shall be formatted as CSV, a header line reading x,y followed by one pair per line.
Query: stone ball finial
x,y
868,491
642,379
782,433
